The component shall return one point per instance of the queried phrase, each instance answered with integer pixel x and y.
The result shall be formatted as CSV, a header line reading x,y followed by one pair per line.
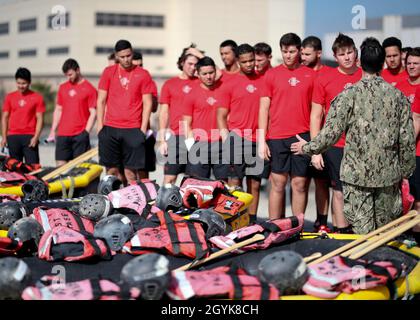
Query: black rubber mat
x,y
111,269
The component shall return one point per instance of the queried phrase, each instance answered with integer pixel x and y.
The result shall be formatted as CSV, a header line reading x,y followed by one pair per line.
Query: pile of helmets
x,y
150,272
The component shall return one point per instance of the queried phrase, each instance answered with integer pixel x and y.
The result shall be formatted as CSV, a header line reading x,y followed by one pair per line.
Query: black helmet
x,y
116,230
214,224
108,184
26,229
149,273
15,276
286,270
10,212
34,190
169,198
95,206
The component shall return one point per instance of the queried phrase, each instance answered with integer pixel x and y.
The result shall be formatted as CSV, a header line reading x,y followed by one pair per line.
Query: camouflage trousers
x,y
367,209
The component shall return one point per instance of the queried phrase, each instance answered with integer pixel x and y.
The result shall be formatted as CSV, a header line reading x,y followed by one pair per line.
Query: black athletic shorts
x,y
176,161
70,147
243,158
19,148
319,174
267,169
122,147
150,154
333,156
415,181
204,156
284,161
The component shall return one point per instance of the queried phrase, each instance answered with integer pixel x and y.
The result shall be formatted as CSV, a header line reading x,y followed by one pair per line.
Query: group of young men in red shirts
x,y
237,122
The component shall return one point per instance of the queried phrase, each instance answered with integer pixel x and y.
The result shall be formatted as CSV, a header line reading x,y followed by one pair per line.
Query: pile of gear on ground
x,y
193,221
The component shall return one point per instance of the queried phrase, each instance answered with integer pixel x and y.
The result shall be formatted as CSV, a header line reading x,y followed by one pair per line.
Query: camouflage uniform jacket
x,y
380,145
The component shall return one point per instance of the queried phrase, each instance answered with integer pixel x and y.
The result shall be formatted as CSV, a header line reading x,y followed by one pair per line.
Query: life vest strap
x,y
237,287
97,291
145,191
79,222
172,233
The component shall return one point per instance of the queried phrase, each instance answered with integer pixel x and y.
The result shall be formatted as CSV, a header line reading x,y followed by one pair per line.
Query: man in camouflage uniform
x,y
380,144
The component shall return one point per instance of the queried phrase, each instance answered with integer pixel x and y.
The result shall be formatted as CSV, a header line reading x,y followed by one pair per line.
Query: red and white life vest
x,y
225,204
275,231
62,243
9,197
12,177
9,247
222,282
51,218
175,235
90,289
200,193
136,196
406,197
14,165
330,278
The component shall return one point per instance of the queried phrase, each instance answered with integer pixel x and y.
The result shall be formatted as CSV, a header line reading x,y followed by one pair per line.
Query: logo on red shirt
x,y
21,103
124,81
411,98
293,81
251,88
186,89
211,101
72,93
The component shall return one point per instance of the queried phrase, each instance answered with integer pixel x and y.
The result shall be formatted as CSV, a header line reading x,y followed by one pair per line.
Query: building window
x,y
58,51
4,28
51,17
104,50
151,51
27,25
27,53
144,51
410,22
129,20
4,54
374,24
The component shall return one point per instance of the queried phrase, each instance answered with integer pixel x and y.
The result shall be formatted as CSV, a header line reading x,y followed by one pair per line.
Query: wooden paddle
x,y
36,171
369,242
385,238
312,257
255,238
69,165
362,239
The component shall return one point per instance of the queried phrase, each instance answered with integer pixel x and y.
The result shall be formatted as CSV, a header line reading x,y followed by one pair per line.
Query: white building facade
x,y
41,35
406,28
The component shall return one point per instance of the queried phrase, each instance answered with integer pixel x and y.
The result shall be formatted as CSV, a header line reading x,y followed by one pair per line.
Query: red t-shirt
x,y
242,97
331,84
408,89
153,88
264,72
75,100
227,76
22,110
125,95
173,93
202,106
416,104
324,69
411,91
394,79
290,92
